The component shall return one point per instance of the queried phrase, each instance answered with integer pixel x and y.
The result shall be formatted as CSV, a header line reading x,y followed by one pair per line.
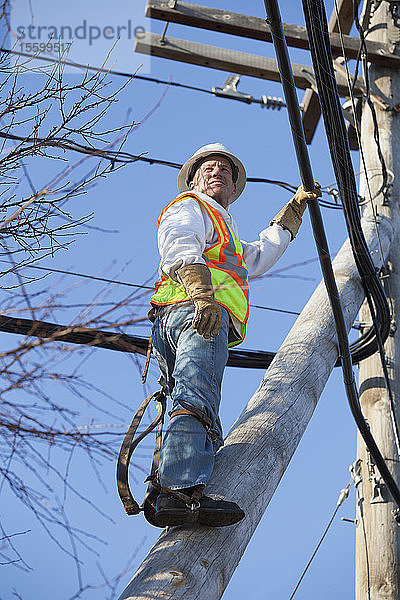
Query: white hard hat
x,y
186,173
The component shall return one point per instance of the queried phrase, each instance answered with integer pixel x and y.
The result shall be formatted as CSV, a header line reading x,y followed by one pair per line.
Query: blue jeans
x,y
192,368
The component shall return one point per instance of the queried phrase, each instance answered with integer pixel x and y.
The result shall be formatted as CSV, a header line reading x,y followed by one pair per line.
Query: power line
x,y
145,287
112,340
122,157
104,70
363,50
126,157
229,91
342,497
363,55
280,310
317,29
84,275
225,92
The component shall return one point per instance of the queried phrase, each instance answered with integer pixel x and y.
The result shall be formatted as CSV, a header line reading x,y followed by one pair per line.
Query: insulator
x,y
272,102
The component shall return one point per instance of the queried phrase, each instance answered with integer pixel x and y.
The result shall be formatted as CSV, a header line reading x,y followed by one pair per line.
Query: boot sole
x,y
214,518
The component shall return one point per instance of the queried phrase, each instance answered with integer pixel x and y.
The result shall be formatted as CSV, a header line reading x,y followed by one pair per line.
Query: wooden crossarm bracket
x,y
256,28
223,21
231,61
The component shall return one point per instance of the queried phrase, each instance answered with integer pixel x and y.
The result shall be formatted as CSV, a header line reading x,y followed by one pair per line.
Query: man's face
x,y
214,178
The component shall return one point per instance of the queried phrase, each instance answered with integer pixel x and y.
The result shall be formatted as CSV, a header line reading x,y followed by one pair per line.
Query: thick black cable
x,y
356,122
317,28
346,182
113,340
121,342
323,67
118,156
275,23
366,345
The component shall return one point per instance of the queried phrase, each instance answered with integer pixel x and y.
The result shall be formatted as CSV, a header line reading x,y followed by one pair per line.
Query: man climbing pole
x,y
200,309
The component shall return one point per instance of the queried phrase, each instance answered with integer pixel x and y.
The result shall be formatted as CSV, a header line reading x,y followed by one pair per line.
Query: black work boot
x,y
172,510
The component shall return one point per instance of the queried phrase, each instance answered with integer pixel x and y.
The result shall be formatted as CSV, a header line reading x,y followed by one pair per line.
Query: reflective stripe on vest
x,y
229,275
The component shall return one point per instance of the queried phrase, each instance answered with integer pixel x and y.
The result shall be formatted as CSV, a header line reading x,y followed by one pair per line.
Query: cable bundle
x,y
317,29
320,48
372,340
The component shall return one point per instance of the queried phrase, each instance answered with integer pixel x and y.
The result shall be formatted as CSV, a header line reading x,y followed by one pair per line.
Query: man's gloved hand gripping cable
x,y
290,217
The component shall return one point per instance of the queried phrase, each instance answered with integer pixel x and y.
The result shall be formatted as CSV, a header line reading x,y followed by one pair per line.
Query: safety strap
x,y
192,500
192,411
153,477
129,444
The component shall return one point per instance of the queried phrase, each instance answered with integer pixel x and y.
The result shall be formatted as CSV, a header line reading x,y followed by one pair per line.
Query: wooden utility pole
x,y
378,534
196,563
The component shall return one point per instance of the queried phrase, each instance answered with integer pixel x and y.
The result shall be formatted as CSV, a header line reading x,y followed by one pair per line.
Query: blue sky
x,y
129,202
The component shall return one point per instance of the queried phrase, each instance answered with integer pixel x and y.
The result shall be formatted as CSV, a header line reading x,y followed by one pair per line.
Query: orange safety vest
x,y
229,275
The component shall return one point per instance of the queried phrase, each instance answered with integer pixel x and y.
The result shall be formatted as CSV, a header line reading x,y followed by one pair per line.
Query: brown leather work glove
x,y
290,216
196,279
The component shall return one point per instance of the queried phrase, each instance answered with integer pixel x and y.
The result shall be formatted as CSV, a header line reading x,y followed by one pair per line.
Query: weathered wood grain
x,y
256,28
377,533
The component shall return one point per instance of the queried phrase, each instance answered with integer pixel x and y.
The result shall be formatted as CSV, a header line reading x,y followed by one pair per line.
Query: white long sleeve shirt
x,y
186,231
